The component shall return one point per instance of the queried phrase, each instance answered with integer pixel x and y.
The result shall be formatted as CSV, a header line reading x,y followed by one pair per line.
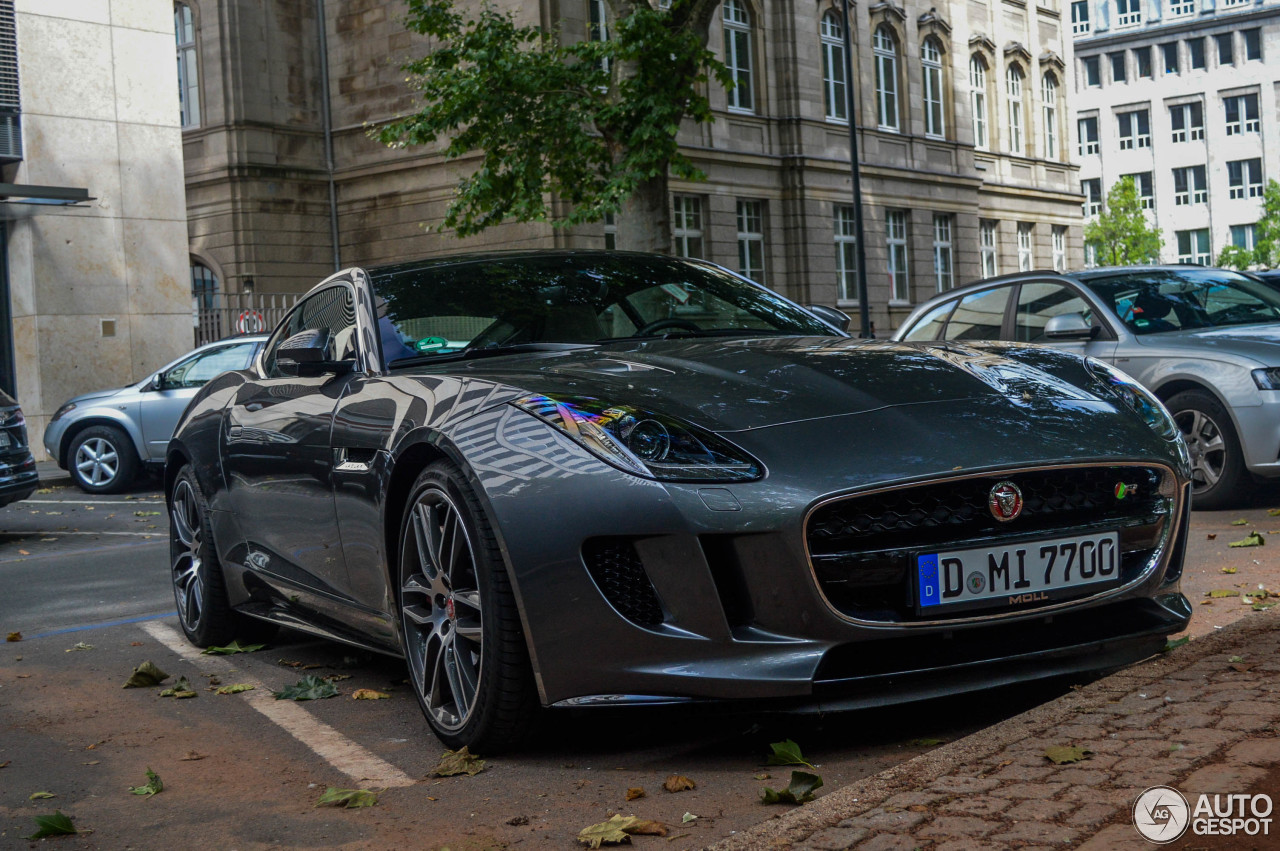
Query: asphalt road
x,y
84,579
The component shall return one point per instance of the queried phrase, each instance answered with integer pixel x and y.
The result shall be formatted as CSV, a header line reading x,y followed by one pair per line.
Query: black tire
x,y
102,459
1219,478
463,640
199,587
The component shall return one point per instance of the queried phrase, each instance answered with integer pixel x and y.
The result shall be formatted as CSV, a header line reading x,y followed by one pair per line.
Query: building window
x,y
188,76
1080,17
1135,129
1170,54
1049,106
1195,50
1193,246
896,241
1189,186
598,25
1181,8
846,253
204,293
931,60
978,98
1128,13
1226,48
1026,255
1243,236
1059,248
1187,121
987,244
1117,67
1242,114
1087,129
737,55
686,226
1142,183
751,240
1142,58
1092,196
942,267
1244,179
833,82
885,46
1252,44
610,231
1013,86
1092,71
1231,4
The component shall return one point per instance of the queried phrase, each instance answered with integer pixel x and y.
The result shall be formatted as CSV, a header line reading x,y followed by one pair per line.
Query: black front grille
x,y
863,548
618,572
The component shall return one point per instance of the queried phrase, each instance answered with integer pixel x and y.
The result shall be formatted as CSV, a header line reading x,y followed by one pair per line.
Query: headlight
x,y
62,412
1135,396
644,443
1267,379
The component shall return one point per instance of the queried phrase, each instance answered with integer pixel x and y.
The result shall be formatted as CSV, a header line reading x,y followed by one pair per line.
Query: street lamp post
x,y
859,242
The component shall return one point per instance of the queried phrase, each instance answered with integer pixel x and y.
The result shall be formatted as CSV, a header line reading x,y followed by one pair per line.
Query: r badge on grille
x,y
1005,502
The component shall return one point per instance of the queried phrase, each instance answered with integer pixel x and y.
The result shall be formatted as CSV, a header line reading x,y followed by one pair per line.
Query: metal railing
x,y
218,315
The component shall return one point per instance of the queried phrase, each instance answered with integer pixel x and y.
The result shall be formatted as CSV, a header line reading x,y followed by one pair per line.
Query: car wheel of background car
x,y
102,460
462,635
1217,461
199,588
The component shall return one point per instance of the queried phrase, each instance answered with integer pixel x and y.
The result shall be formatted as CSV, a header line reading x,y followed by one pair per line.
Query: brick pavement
x,y
1191,718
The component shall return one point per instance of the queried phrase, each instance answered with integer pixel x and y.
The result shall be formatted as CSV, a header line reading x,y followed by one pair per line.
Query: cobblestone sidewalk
x,y
1201,718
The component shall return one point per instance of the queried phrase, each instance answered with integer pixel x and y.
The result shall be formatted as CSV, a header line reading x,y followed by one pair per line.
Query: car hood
x,y
733,385
1259,342
99,394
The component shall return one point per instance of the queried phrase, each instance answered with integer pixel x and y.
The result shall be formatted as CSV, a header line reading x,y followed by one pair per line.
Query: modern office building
x,y
962,110
1181,95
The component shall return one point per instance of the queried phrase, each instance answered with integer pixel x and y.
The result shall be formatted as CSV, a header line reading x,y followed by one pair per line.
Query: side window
x,y
1040,302
931,323
198,370
332,309
979,316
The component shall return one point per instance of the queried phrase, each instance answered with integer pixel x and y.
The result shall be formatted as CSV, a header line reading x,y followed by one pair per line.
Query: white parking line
x,y
330,745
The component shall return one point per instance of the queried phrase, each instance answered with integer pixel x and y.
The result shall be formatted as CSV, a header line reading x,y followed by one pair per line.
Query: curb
x,y
856,798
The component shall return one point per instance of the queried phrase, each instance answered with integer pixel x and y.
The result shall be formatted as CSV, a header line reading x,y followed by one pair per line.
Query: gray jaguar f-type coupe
x,y
590,478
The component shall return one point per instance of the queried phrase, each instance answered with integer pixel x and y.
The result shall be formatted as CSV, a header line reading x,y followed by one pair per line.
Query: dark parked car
x,y
18,476
591,478
1206,342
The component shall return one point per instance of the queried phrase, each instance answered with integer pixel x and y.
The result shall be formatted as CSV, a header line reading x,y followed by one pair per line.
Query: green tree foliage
x,y
1266,237
590,124
1121,235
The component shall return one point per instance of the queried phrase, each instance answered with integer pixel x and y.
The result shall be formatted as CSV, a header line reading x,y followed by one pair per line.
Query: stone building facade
x,y
93,216
1181,94
949,193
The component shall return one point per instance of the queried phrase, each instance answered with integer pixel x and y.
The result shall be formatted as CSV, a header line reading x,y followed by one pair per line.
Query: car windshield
x,y
1152,302
442,308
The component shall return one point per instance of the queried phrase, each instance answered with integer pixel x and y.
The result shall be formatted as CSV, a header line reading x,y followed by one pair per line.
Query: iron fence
x,y
218,315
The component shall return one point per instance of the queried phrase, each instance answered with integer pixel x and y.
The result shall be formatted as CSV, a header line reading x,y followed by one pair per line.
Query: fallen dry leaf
x,y
514,821
611,832
23,553
369,694
145,676
14,636
192,756
1212,536
678,783
1066,754
461,761
634,793
647,828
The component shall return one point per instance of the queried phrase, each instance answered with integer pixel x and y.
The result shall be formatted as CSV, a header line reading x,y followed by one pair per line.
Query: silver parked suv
x,y
104,438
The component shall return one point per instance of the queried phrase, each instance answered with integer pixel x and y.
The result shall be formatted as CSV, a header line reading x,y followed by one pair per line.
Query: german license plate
x,y
1016,574
5,441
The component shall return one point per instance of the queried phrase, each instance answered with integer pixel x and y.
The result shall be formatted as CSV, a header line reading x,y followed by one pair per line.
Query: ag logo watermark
x,y
1162,814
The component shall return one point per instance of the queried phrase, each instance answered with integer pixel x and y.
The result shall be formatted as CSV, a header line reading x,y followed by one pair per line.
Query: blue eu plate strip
x,y
927,566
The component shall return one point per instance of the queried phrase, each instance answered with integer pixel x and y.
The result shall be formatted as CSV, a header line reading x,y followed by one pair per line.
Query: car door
x,y
277,456
163,403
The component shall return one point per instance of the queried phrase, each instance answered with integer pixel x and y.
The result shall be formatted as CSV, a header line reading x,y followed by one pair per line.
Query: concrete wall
x,y
101,295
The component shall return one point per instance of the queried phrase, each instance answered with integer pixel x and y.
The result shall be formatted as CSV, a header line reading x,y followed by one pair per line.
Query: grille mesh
x,y
617,570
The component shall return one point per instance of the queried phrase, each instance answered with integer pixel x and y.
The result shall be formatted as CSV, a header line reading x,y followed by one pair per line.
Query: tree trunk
x,y
644,223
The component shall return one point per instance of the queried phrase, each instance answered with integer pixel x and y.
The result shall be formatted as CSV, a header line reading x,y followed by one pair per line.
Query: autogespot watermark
x,y
1163,814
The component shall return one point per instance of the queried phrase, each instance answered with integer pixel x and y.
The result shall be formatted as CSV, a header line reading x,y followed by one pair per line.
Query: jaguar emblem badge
x,y
1005,502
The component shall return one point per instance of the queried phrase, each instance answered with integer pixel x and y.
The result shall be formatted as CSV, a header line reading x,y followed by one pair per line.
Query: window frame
x,y
1015,89
944,270
834,84
844,226
1186,114
978,97
739,44
686,225
1080,24
935,119
1092,201
1194,253
190,113
1088,146
750,216
1049,115
884,48
898,265
1059,235
987,240
1130,131
1026,246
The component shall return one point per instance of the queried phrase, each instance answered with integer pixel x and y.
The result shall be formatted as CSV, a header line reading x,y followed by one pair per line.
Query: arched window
x,y
737,54
931,58
833,82
188,77
1013,87
978,100
204,294
885,46
1049,97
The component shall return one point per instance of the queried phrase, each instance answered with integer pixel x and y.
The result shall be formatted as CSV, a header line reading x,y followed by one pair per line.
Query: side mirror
x,y
156,382
830,315
305,355
1069,326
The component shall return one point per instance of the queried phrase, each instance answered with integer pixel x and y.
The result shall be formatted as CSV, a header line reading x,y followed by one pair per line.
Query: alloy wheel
x,y
188,567
1208,450
97,461
440,601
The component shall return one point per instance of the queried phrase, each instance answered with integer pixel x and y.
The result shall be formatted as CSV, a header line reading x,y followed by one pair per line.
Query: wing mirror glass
x,y
830,315
1069,326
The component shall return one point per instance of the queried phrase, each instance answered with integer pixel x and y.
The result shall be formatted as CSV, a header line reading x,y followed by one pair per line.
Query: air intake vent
x,y
10,137
617,570
9,98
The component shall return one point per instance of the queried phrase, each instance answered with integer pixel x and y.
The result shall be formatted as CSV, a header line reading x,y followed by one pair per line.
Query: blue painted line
x,y
65,630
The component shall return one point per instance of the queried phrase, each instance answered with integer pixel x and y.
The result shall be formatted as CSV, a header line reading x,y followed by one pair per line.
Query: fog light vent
x,y
619,573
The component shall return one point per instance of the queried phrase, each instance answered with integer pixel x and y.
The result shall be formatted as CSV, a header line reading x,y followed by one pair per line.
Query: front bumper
x,y
1259,427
